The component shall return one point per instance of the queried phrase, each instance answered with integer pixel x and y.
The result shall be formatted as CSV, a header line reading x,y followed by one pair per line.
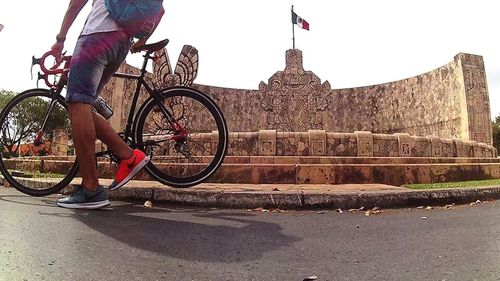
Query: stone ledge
x,y
304,199
357,144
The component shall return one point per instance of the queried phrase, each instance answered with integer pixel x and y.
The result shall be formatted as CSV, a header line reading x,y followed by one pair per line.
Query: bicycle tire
x,y
32,173
196,160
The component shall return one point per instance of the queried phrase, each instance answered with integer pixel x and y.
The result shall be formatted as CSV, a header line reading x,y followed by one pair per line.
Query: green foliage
x,y
461,184
25,119
496,133
5,97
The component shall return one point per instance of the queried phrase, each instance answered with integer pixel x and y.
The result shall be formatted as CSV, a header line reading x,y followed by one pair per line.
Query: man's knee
x,y
77,108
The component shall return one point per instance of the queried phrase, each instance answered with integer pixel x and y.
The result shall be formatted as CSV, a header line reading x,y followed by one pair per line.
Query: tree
x,y
5,97
25,120
496,133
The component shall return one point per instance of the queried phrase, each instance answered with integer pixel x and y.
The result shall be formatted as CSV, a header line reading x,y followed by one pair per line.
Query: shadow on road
x,y
193,234
199,240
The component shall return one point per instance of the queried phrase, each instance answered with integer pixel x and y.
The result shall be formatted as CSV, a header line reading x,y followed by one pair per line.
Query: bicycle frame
x,y
57,88
142,83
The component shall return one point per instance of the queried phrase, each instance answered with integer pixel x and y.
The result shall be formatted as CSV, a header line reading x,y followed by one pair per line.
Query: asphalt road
x,y
39,241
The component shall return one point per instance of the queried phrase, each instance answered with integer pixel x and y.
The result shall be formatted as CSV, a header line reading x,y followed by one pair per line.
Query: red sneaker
x,y
128,168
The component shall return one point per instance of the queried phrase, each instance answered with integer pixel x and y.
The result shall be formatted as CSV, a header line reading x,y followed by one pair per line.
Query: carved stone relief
x,y
476,92
294,99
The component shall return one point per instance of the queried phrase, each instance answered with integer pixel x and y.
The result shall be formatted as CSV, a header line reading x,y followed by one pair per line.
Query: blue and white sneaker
x,y
85,199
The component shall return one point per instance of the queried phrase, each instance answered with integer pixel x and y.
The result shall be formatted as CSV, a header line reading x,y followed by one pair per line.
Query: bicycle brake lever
x,y
34,61
40,77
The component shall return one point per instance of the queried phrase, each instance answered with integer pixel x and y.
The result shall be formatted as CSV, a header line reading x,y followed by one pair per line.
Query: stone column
x,y
476,97
61,142
317,142
405,144
364,143
267,142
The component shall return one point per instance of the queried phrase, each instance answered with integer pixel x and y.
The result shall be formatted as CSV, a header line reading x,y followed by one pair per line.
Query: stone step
x,y
352,160
392,174
322,170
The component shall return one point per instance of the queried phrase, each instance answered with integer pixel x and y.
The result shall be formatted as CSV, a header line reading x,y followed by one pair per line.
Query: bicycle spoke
x,y
36,134
182,146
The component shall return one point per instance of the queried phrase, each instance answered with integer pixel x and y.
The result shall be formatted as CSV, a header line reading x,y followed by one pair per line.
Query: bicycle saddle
x,y
154,46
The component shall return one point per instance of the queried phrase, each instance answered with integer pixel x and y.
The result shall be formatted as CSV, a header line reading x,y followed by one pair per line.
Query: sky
x,y
241,43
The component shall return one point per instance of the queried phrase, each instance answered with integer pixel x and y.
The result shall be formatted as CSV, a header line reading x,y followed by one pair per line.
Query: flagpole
x,y
293,31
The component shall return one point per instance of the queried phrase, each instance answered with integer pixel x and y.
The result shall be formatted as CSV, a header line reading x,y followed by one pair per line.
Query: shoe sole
x,y
132,174
87,206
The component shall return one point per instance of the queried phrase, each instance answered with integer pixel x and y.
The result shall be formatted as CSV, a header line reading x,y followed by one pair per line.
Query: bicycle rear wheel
x,y
35,136
188,148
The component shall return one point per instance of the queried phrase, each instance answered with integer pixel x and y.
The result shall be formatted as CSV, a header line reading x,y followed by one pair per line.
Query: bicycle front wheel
x,y
189,145
37,158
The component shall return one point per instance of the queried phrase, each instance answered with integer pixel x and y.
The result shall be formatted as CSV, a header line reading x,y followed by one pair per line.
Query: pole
x,y
293,30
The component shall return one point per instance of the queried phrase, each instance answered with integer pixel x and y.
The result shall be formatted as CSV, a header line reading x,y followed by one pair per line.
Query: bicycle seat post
x,y
151,48
147,57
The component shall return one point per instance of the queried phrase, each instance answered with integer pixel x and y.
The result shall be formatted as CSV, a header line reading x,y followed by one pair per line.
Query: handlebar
x,y
54,69
57,70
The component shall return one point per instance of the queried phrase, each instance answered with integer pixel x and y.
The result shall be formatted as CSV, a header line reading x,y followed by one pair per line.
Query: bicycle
x,y
182,130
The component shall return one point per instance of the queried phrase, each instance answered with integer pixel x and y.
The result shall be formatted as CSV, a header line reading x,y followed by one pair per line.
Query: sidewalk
x,y
295,196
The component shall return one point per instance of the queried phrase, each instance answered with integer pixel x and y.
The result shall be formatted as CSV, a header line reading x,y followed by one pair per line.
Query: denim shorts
x,y
95,59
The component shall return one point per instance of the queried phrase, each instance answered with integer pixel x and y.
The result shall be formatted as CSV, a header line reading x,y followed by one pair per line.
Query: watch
x,y
60,38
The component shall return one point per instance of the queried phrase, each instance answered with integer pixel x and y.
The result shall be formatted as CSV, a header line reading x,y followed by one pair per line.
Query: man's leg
x,y
108,135
90,195
84,136
131,161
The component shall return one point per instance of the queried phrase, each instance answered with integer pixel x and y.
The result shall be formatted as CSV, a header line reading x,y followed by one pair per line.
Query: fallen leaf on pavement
x,y
373,211
447,207
477,202
260,209
148,204
356,210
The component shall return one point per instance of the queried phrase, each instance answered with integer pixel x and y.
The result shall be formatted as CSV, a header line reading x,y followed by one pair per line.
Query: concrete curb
x,y
308,200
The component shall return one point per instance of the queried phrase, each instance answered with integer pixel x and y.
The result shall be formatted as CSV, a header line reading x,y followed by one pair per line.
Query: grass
x,y
461,184
23,174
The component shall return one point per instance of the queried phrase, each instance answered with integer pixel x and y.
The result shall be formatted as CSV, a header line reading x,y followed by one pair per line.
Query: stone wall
x,y
357,144
118,94
428,104
450,102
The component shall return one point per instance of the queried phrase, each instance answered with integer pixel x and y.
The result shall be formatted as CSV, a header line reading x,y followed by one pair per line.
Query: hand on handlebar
x,y
137,45
57,51
55,69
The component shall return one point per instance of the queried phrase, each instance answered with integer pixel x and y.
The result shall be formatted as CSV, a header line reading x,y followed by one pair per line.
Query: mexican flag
x,y
302,23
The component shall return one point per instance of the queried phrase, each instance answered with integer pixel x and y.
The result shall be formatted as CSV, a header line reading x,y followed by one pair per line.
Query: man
x,y
99,51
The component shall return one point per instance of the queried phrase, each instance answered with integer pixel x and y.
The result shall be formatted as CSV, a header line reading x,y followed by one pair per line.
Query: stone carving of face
x,y
294,77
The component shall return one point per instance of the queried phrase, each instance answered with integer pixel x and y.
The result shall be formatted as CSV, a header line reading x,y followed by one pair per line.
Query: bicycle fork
x,y
39,134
